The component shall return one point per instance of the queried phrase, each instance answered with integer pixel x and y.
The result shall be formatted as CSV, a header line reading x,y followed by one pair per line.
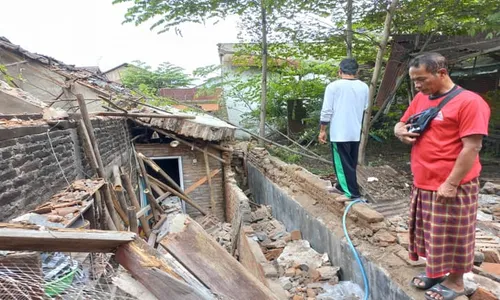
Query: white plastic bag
x,y
344,290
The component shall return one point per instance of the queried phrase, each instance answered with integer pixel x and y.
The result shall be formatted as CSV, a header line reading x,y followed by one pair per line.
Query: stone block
x,y
404,255
403,239
384,238
328,273
273,254
491,256
366,213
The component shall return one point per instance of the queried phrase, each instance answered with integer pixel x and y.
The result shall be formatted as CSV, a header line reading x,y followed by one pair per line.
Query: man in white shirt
x,y
343,108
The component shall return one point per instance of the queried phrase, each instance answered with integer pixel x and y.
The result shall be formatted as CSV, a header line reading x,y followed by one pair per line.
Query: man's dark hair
x,y
349,66
432,61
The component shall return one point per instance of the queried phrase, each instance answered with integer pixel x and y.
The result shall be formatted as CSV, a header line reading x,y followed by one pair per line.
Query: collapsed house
x,y
108,160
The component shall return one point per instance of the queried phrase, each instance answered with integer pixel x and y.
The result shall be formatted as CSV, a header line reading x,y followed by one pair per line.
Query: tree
x,y
140,76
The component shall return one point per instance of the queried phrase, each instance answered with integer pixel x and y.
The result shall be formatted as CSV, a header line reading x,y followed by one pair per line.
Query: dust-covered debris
x,y
219,230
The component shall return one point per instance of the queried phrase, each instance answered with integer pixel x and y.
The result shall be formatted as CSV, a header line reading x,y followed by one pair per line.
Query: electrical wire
x,y
358,260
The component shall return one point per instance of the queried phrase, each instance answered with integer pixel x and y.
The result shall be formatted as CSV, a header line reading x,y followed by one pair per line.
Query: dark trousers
x,y
345,160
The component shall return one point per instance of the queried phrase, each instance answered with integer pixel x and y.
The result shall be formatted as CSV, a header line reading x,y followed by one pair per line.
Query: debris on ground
x,y
220,231
303,272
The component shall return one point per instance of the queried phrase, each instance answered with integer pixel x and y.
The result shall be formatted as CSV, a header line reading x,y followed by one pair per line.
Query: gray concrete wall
x,y
322,239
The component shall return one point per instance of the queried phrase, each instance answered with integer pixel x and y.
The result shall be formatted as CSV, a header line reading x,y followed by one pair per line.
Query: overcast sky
x,y
90,32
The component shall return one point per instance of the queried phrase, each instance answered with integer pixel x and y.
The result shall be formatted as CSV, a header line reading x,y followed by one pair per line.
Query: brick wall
x,y
193,165
29,172
237,205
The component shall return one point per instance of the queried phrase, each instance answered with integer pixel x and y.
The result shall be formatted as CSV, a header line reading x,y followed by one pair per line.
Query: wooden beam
x,y
100,169
138,115
180,195
132,219
133,199
211,263
207,168
156,230
149,268
32,238
201,181
159,170
173,136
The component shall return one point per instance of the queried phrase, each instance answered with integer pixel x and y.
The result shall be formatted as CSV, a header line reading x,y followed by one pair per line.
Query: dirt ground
x,y
394,154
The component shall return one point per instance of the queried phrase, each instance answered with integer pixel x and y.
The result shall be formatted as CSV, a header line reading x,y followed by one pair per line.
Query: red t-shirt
x,y
436,150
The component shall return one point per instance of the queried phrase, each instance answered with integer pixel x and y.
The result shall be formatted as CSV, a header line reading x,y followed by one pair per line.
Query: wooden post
x,y
156,229
209,178
105,218
100,169
148,191
133,199
120,208
132,219
180,195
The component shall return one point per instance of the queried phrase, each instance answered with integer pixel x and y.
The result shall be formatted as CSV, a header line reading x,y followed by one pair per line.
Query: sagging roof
x,y
203,126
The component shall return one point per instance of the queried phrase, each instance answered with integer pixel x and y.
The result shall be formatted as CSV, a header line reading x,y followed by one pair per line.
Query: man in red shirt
x,y
445,165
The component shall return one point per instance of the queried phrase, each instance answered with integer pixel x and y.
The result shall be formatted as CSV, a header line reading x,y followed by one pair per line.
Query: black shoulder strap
x,y
450,96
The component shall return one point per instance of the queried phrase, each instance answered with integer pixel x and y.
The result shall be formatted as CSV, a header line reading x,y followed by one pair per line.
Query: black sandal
x,y
428,282
446,293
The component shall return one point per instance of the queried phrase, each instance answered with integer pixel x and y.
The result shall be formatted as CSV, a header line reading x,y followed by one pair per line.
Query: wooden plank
x,y
201,181
31,238
148,267
148,191
212,264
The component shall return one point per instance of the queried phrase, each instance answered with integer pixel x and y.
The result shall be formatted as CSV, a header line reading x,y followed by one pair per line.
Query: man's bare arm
x,y
472,144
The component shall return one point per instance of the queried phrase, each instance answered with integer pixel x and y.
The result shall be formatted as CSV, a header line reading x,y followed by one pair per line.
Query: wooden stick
x,y
138,115
111,103
154,233
132,219
133,199
201,181
182,196
207,168
101,211
100,169
22,238
173,136
148,192
117,186
157,189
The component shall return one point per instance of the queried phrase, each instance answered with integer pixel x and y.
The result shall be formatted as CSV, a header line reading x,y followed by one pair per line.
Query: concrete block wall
x,y
29,172
237,205
194,169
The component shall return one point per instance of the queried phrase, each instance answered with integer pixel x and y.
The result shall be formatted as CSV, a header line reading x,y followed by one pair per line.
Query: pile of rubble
x,y
489,202
220,231
303,273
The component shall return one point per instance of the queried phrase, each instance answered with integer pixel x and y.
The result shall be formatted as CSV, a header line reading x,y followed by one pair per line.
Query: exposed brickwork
x,y
193,170
29,172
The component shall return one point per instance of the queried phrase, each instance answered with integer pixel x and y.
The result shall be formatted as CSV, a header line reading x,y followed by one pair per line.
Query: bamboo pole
x,y
209,179
132,219
133,199
117,182
100,169
176,193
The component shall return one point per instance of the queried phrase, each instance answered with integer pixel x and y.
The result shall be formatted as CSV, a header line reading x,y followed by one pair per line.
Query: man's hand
x,y
401,132
322,137
446,192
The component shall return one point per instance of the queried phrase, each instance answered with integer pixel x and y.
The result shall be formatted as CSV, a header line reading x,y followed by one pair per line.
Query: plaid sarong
x,y
444,233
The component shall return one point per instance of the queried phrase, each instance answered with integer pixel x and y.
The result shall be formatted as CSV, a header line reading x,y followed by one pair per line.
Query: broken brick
x,y
273,254
384,237
491,268
315,275
296,235
366,213
491,256
403,239
311,293
298,297
482,294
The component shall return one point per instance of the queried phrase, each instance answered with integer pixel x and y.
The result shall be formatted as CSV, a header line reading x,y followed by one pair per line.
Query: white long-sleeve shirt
x,y
344,104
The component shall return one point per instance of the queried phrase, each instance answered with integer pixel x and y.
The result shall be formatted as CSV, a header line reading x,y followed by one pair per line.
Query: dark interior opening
x,y
170,166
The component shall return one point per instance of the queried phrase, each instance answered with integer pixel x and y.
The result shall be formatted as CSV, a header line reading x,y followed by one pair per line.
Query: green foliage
x,y
140,76
5,75
284,155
